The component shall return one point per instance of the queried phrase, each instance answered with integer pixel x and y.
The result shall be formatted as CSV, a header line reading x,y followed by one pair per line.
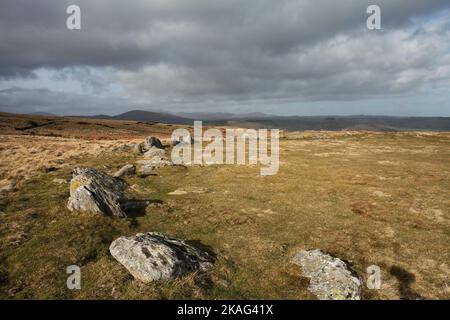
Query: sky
x,y
281,57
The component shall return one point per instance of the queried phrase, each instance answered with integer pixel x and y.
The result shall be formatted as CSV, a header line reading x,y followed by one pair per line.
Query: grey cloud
x,y
168,51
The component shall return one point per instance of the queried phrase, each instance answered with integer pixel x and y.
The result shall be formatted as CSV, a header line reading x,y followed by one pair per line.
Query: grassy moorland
x,y
368,198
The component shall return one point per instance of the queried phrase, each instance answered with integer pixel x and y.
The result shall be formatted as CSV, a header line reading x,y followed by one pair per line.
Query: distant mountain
x,y
290,123
334,123
215,116
148,116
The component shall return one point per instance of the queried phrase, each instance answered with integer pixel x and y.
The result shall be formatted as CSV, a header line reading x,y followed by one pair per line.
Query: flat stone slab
x,y
153,256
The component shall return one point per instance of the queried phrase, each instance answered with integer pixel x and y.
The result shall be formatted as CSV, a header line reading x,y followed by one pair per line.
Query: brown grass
x,y
369,198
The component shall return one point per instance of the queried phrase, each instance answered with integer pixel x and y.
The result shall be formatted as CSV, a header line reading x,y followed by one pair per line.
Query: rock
x,y
94,191
154,162
154,256
178,193
138,148
154,152
331,278
153,142
127,170
143,170
381,194
7,186
187,140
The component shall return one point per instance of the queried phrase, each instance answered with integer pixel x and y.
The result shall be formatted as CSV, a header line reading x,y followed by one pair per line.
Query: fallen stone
x,y
380,194
153,142
94,191
143,170
127,170
154,152
331,278
154,256
138,148
178,193
154,162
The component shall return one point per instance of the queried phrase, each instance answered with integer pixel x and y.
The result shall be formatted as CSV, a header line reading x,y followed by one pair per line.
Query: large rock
x,y
127,170
94,191
331,278
154,256
153,142
154,152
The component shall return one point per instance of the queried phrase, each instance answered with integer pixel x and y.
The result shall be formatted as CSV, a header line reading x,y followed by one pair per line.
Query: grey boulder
x,y
153,163
95,191
153,256
331,278
154,152
153,142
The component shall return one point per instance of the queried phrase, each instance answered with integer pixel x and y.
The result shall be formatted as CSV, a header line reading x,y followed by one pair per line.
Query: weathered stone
x,y
331,278
154,162
127,170
187,140
154,256
144,170
154,152
94,191
138,148
153,142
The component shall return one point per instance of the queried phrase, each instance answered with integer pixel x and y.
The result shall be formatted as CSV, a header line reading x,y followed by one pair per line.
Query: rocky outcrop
x,y
127,170
94,191
331,278
154,256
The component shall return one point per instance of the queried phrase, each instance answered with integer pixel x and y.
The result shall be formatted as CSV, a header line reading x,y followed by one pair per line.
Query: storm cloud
x,y
217,53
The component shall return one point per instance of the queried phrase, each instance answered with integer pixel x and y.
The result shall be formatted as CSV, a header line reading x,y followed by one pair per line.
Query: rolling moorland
x,y
368,197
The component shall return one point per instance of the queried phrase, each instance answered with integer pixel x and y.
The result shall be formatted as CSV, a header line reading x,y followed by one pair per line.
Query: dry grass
x,y
369,198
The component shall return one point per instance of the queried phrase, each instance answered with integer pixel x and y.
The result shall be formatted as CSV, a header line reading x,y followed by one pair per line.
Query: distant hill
x,y
334,123
214,116
289,123
146,116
